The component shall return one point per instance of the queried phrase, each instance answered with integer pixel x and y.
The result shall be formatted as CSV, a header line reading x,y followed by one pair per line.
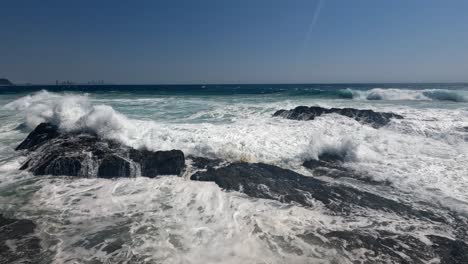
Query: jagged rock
x,y
388,247
270,182
4,81
375,119
17,241
160,162
205,163
43,133
332,165
86,155
114,166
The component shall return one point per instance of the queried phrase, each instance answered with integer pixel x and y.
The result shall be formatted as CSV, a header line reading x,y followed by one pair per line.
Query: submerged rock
x,y
86,155
270,182
205,163
333,166
17,241
375,119
382,246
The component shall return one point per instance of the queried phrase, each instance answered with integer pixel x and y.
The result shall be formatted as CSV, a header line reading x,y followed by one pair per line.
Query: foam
x,y
420,153
405,94
174,220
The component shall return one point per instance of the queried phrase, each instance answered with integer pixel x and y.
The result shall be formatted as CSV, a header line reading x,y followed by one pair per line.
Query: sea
x,y
422,158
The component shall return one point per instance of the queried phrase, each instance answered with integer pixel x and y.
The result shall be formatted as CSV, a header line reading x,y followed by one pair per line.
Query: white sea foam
x,y
406,94
174,220
423,152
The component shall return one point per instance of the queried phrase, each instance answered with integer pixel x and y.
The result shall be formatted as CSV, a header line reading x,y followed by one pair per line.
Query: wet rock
x,y
86,155
333,166
384,246
17,241
160,162
114,166
448,250
43,133
205,163
375,119
270,182
61,165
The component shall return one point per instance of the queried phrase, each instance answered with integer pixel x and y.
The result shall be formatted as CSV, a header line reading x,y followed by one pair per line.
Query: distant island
x,y
4,81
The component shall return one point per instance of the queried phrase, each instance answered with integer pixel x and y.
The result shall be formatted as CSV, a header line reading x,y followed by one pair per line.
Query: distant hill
x,y
4,81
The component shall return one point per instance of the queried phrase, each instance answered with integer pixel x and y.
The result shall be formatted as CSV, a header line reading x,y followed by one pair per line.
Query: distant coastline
x,y
5,82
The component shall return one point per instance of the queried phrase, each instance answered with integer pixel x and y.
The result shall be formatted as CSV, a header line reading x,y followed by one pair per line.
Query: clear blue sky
x,y
235,41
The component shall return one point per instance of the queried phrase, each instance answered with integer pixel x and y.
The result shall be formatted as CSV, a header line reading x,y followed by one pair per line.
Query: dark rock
x,y
448,250
271,182
17,241
86,155
62,165
332,165
397,248
205,163
4,81
114,166
170,162
43,133
375,119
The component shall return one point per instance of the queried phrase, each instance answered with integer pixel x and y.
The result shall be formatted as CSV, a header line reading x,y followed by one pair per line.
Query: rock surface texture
x,y
375,119
86,155
18,244
379,245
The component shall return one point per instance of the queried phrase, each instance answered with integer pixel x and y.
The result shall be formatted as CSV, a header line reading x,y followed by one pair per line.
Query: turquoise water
x,y
174,220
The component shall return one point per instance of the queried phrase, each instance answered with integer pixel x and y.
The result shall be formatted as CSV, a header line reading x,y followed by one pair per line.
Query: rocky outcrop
x,y
270,182
41,134
372,243
159,162
382,246
204,163
86,155
375,119
4,81
17,241
333,166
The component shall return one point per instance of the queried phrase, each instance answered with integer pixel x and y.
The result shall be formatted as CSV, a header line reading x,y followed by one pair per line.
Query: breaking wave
x,y
254,136
192,222
404,94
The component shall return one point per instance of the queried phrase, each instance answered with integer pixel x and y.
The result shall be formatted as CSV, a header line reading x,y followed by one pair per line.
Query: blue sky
x,y
242,41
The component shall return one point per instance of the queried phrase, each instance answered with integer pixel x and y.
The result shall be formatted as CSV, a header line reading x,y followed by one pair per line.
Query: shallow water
x,y
175,220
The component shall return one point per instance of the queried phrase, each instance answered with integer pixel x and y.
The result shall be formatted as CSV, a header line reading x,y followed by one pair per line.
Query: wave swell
x,y
403,94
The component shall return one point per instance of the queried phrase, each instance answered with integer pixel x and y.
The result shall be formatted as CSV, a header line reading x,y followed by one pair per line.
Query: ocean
x,y
420,160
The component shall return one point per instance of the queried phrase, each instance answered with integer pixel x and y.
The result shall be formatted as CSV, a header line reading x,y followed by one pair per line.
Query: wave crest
x,y
404,94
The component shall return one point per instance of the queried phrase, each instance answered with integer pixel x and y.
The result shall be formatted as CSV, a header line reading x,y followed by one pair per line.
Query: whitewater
x,y
422,159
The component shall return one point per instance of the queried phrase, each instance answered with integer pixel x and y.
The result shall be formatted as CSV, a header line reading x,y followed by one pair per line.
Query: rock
x,y
448,250
114,166
43,133
6,82
17,241
332,165
396,248
160,162
270,182
375,119
204,163
86,155
58,165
